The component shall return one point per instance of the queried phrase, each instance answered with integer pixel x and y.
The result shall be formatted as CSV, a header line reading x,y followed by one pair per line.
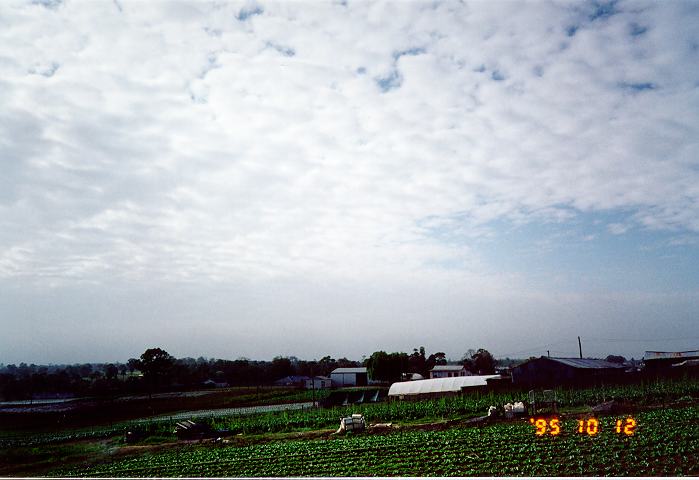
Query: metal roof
x,y
349,370
585,362
687,363
447,368
439,385
689,354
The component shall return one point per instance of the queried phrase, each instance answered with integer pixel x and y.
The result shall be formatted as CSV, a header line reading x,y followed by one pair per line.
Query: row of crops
x,y
666,443
160,424
452,407
259,420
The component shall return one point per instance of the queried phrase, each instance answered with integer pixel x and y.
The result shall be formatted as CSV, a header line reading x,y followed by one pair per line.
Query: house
x,y
349,377
447,371
551,371
435,387
659,361
318,383
292,381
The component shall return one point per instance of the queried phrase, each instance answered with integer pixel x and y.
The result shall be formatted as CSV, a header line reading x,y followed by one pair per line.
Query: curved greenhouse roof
x,y
439,385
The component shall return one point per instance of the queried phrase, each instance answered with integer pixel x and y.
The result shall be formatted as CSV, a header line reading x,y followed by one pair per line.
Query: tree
x,y
439,358
156,365
615,359
386,367
481,362
110,371
418,362
133,364
281,367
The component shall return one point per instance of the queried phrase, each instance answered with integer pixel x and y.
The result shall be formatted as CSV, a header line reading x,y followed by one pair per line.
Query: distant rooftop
x,y
349,370
447,368
586,362
688,354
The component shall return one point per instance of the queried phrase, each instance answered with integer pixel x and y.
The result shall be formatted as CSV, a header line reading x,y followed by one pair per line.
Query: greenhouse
x,y
436,386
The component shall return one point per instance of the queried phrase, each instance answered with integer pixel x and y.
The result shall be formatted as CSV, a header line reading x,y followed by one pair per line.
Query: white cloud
x,y
201,142
617,228
149,118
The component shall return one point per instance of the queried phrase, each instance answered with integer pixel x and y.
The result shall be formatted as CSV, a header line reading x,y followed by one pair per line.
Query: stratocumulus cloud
x,y
339,143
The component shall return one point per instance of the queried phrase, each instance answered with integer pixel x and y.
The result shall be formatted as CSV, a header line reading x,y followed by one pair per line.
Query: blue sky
x,y
582,254
261,178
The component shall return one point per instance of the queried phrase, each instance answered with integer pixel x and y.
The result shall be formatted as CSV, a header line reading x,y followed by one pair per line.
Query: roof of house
x,y
293,379
319,377
349,370
447,368
688,354
438,385
585,362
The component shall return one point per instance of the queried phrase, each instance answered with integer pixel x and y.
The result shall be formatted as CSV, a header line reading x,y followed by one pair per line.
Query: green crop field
x,y
666,442
469,405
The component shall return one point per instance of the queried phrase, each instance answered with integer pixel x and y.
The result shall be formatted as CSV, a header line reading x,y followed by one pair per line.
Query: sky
x,y
244,179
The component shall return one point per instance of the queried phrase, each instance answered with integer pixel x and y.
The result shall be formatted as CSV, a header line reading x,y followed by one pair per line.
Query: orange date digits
x,y
592,426
555,427
630,427
541,426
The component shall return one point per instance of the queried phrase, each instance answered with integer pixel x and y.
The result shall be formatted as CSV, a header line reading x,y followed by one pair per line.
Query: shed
x,y
654,361
438,386
349,377
549,371
445,371
318,382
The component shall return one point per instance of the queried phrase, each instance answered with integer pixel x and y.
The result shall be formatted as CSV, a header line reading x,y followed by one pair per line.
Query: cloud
x,y
208,142
220,147
617,228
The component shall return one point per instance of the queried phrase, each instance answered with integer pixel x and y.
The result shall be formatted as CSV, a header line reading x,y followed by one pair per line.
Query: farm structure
x,y
318,382
446,371
659,361
292,381
435,387
551,371
349,377
353,397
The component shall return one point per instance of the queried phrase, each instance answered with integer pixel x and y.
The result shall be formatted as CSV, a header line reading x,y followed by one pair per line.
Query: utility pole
x,y
313,386
580,347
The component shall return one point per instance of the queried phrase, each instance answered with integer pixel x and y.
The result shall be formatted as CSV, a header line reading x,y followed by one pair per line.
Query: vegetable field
x,y
666,442
255,420
469,405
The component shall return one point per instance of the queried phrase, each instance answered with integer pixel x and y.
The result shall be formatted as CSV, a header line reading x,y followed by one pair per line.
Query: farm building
x,y
438,386
548,371
292,381
446,371
656,361
349,377
318,382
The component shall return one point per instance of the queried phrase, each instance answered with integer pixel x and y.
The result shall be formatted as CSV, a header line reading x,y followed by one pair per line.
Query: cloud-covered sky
x,y
313,178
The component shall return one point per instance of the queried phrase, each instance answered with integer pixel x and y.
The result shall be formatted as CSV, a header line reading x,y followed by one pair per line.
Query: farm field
x,y
35,451
666,442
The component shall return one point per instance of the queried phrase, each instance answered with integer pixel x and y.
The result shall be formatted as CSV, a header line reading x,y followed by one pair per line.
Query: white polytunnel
x,y
438,385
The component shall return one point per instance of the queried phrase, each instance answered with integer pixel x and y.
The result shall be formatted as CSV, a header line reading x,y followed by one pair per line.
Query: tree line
x,y
157,370
396,366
